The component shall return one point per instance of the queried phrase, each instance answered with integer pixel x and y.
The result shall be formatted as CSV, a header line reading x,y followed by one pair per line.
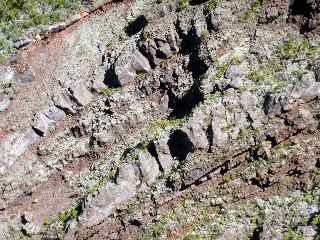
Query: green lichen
x,y
212,4
297,48
18,16
183,4
292,235
254,8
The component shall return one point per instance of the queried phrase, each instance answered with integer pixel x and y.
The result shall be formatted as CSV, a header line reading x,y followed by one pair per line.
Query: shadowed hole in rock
x,y
262,183
302,9
209,134
197,2
136,26
256,235
183,106
111,79
190,45
318,163
153,151
180,145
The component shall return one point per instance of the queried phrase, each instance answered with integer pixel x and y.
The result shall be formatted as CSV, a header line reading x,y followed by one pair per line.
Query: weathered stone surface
x,y
164,155
149,167
81,94
128,65
6,75
140,63
53,113
41,123
62,101
4,103
234,72
127,174
14,146
197,130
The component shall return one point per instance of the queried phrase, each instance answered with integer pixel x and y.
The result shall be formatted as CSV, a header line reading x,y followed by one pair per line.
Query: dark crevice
x,y
300,7
183,106
262,183
197,2
136,26
256,235
318,163
153,151
111,79
190,45
301,13
209,134
180,145
272,140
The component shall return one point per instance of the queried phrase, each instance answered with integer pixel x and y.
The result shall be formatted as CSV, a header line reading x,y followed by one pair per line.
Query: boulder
x,y
41,123
128,65
196,130
127,174
149,167
62,101
80,94
4,103
140,63
164,156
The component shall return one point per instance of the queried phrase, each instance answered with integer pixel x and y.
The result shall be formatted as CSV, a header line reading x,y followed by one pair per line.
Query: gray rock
x,y
55,114
308,232
233,72
62,101
98,82
127,173
173,39
22,42
165,51
128,65
27,217
4,103
125,74
308,79
219,136
26,77
140,63
275,104
237,83
81,94
14,146
6,75
200,27
149,167
196,130
110,196
164,156
214,22
4,231
41,123
310,92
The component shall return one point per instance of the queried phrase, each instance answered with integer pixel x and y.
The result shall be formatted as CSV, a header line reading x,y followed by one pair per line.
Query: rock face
x,y
165,120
